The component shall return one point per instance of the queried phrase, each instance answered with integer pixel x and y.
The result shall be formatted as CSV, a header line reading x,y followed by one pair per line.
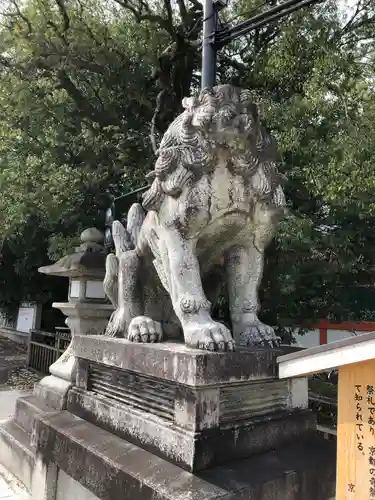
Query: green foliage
x,y
78,87
75,105
315,82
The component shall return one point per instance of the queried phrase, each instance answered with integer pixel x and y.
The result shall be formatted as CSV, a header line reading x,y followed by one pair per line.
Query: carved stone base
x,y
53,391
192,407
97,465
82,318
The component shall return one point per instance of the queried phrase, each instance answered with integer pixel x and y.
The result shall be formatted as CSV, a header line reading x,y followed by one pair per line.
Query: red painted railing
x,y
359,326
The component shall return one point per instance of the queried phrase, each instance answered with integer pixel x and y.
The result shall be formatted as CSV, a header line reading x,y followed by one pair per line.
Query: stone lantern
x,y
87,310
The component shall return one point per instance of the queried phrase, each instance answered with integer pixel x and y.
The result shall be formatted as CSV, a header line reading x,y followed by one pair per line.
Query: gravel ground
x,y
21,379
13,360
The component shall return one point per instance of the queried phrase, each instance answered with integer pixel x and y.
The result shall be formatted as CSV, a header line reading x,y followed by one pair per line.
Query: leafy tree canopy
x,y
79,82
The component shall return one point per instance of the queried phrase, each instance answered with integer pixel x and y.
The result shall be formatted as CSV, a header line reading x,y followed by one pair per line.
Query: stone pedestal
x,y
147,421
83,318
194,408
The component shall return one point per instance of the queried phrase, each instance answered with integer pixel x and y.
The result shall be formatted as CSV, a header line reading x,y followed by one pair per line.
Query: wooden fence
x,y
45,348
323,401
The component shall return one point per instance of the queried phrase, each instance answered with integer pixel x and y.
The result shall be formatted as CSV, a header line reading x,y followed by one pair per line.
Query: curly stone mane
x,y
222,119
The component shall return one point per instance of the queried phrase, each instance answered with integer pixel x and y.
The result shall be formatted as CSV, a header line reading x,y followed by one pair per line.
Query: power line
x,y
247,13
226,35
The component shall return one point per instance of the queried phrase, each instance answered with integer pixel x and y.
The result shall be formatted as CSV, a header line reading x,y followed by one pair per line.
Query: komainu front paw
x,y
258,334
144,329
208,335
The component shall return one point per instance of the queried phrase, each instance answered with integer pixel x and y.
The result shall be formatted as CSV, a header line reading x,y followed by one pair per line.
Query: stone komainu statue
x,y
212,208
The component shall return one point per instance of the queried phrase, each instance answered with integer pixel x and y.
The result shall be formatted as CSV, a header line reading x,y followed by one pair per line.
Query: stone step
x,y
27,409
112,468
16,453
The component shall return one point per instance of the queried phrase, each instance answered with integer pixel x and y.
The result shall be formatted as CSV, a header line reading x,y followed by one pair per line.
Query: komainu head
x,y
222,121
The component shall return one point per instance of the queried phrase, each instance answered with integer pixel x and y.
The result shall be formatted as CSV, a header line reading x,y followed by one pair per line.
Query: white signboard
x,y
26,318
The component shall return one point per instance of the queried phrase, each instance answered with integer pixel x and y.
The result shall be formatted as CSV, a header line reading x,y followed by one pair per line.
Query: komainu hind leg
x,y
120,282
123,285
129,297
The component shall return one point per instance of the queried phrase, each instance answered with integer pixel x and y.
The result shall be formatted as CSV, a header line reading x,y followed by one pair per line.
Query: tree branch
x,y
5,61
183,12
168,8
149,16
82,103
270,34
197,4
22,16
354,23
352,19
64,14
228,61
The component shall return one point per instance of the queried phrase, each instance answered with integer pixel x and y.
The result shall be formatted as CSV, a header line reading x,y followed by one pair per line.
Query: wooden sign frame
x,y
355,360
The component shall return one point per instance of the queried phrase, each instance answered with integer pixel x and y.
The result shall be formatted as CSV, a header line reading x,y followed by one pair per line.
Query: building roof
x,y
328,356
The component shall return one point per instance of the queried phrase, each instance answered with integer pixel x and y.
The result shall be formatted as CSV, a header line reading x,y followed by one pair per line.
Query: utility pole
x,y
208,48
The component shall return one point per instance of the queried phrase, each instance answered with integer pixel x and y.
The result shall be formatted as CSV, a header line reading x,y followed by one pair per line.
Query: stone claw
x,y
259,335
209,336
145,330
231,346
276,342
